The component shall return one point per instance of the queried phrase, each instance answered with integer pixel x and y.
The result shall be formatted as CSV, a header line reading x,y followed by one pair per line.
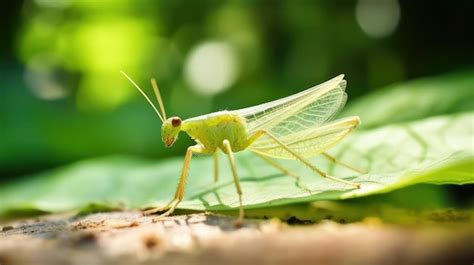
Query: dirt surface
x,y
130,238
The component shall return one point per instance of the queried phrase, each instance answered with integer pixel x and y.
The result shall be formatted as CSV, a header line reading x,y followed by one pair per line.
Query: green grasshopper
x,y
296,127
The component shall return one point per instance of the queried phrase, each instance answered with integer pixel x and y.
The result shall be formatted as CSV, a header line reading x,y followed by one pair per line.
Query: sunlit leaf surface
x,y
433,150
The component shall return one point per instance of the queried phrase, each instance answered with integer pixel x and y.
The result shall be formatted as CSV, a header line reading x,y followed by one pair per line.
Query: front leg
x,y
179,195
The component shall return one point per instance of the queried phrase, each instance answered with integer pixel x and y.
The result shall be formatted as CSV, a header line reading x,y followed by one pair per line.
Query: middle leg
x,y
233,167
216,165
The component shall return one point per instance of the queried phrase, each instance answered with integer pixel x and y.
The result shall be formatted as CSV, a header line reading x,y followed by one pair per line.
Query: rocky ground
x,y
127,237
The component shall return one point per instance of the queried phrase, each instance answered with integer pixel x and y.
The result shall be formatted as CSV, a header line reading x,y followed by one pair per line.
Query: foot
x,y
167,208
238,223
155,210
302,186
240,220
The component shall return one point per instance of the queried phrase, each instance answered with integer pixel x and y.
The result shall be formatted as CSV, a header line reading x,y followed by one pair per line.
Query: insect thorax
x,y
212,129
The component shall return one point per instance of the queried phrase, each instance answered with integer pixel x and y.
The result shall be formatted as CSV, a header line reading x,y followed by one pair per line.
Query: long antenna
x,y
158,96
143,93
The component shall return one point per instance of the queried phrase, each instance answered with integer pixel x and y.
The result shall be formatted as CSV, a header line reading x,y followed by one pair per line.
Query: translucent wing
x,y
298,112
308,142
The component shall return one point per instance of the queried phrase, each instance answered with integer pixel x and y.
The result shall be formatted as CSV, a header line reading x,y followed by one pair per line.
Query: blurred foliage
x,y
63,99
429,150
415,100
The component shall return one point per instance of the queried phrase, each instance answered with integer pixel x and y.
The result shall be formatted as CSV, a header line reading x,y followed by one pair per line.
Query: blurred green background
x,y
63,98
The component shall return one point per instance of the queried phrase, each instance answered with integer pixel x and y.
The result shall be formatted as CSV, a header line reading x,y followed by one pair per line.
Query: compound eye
x,y
176,122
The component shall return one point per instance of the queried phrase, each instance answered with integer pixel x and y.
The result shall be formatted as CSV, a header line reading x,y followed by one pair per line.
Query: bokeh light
x,y
211,67
378,18
54,3
41,78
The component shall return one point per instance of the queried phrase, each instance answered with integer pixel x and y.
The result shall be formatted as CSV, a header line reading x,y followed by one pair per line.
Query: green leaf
x,y
413,100
434,150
